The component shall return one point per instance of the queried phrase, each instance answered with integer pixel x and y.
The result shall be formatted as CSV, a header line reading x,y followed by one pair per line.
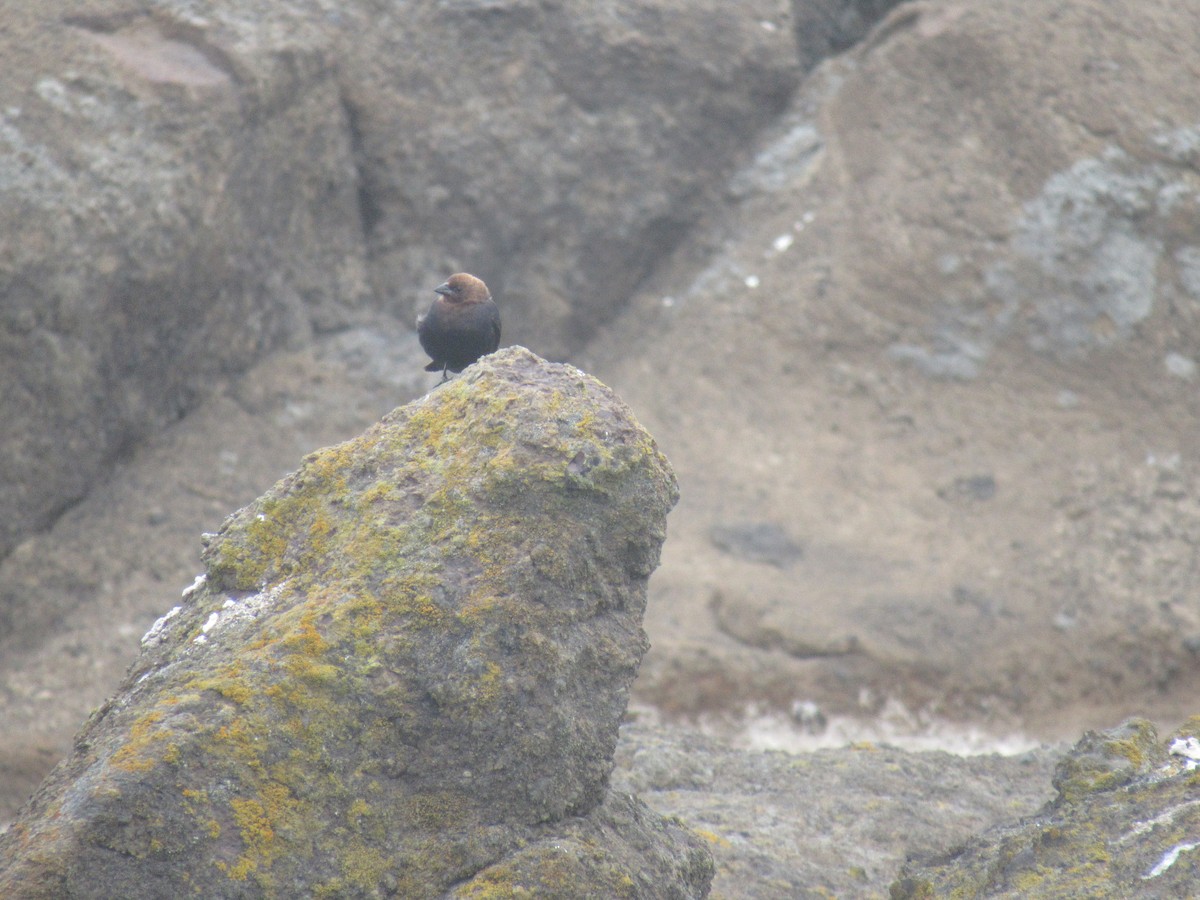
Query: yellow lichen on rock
x,y
406,654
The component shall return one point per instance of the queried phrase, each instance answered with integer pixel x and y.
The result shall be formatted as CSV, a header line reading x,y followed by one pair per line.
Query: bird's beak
x,y
443,288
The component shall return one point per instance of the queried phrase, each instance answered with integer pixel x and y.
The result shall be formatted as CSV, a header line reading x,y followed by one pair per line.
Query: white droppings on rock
x,y
1180,366
1188,748
1067,399
54,93
1168,859
1165,818
1168,461
240,610
752,281
782,243
159,628
193,587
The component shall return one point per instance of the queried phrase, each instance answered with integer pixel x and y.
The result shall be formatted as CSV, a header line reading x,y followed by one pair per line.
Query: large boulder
x,y
834,822
1123,824
404,669
90,588
929,380
184,192
559,151
178,198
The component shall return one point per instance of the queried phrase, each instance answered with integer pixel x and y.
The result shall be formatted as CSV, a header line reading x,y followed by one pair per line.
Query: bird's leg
x,y
445,373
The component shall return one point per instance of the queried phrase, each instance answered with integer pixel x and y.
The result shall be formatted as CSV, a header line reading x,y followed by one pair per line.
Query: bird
x,y
461,325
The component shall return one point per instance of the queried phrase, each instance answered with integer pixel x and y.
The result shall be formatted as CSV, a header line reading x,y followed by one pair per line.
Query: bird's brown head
x,y
464,288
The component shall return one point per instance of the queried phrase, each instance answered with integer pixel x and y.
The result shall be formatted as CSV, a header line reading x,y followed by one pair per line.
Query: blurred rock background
x,y
909,295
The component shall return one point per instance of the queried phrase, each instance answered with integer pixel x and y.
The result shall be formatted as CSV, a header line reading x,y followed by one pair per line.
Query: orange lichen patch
x,y
242,741
712,837
302,644
147,746
230,681
417,534
259,819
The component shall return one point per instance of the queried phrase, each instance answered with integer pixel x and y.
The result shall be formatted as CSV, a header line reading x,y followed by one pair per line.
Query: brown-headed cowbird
x,y
462,324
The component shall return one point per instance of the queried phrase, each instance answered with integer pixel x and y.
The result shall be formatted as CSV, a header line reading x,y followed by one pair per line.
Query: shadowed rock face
x,y
406,661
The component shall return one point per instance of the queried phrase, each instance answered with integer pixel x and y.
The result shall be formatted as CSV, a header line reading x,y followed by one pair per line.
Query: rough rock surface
x,y
948,323
926,368
403,672
178,199
101,573
490,133
1124,824
833,823
188,187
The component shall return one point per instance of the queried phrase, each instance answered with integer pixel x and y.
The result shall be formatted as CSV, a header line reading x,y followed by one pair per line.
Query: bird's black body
x,y
461,325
